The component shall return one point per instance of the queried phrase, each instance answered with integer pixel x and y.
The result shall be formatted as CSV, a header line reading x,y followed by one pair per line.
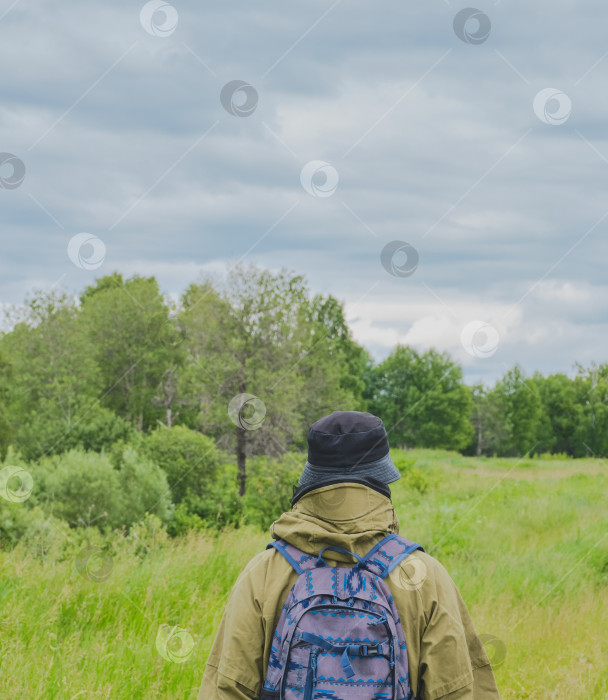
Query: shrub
x,y
85,489
219,506
94,428
417,480
190,460
270,488
148,535
144,489
13,523
183,521
45,537
413,477
402,461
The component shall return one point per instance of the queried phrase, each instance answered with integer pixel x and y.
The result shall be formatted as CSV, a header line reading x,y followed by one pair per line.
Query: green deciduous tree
x,y
591,386
248,340
6,432
562,414
259,334
135,345
522,411
55,382
491,430
334,365
422,400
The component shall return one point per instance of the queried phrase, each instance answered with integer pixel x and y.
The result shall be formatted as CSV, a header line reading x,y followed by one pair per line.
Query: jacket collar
x,y
350,515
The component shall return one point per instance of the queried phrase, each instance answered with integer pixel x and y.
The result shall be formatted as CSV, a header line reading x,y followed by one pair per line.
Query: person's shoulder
x,y
422,572
433,565
258,561
261,561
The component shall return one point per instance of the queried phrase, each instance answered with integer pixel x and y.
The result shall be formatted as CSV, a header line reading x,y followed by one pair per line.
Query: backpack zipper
x,y
311,677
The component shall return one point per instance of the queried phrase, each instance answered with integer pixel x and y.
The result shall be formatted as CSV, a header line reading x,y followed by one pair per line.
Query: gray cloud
x,y
435,142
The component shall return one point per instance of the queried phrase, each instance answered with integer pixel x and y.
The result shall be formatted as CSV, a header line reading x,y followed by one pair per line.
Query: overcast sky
x,y
470,147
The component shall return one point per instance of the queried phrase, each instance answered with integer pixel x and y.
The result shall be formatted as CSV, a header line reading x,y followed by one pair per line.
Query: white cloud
x,y
417,151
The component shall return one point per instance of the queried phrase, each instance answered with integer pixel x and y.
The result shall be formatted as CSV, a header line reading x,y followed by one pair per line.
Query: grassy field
x,y
525,541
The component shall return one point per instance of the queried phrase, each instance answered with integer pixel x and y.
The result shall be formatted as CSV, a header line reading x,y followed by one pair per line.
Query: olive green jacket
x,y
446,657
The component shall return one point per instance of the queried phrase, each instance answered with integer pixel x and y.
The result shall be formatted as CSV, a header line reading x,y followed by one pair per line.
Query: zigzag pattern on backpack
x,y
339,636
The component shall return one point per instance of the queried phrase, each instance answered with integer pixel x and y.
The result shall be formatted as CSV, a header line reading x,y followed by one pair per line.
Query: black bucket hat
x,y
348,444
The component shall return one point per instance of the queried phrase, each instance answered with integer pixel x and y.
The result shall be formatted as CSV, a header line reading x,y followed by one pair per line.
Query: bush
x,y
85,489
190,461
402,460
219,506
94,428
144,488
413,477
417,480
148,535
270,488
184,520
45,537
13,523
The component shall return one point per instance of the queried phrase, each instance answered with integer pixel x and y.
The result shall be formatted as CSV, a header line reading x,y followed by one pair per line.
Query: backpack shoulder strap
x,y
380,560
300,561
388,554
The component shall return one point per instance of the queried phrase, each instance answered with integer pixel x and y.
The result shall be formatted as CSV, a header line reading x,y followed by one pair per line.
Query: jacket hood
x,y
348,515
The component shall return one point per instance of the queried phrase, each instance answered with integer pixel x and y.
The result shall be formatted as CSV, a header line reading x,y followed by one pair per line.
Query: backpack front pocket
x,y
296,672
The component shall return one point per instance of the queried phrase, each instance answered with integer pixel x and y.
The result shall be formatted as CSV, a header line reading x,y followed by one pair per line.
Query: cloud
x,y
435,142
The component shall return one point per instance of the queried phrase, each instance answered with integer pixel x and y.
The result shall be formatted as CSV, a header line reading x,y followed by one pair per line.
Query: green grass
x,y
526,542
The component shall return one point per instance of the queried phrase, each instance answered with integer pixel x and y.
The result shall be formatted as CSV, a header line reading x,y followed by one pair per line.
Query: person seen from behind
x,y
339,606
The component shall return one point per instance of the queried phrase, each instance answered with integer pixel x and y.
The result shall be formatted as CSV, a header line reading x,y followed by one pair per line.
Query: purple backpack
x,y
339,636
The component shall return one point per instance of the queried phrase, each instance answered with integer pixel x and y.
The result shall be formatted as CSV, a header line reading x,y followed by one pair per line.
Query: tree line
x,y
122,360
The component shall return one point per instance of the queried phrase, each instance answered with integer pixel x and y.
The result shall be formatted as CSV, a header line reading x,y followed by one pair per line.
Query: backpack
x,y
339,636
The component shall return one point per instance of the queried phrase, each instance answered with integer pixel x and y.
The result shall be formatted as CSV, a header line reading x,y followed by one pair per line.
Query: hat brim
x,y
383,469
